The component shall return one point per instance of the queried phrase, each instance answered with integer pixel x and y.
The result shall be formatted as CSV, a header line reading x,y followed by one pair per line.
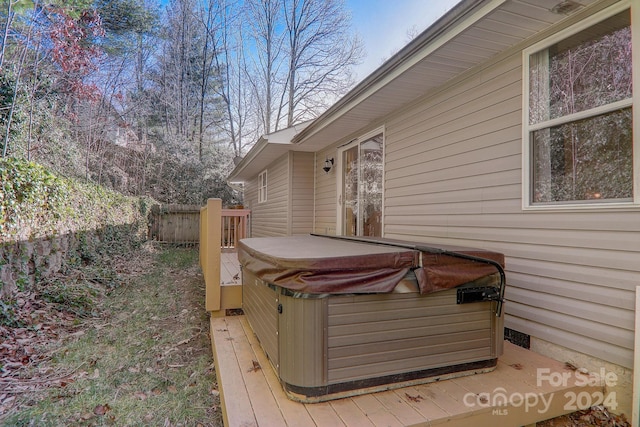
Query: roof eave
x,y
275,140
257,148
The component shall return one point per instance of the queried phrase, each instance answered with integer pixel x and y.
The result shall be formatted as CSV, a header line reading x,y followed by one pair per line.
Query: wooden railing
x,y
220,228
234,226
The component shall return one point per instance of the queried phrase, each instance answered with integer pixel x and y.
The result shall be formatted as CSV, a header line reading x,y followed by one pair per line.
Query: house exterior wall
x,y
453,175
250,200
301,197
270,218
325,194
289,206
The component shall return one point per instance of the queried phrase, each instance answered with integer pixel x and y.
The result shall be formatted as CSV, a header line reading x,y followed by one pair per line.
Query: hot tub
x,y
343,316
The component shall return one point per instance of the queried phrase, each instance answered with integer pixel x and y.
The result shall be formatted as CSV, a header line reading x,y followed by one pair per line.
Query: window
x,y
361,187
578,117
262,187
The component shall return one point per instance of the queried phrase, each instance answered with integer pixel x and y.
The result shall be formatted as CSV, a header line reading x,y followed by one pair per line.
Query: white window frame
x,y
339,174
262,186
527,128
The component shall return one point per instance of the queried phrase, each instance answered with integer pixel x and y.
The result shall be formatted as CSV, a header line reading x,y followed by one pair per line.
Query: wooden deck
x,y
251,394
230,268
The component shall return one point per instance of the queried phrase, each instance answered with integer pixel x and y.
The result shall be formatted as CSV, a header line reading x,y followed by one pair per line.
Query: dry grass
x,y
145,360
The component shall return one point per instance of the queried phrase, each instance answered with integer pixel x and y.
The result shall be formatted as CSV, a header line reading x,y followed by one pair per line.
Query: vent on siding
x,y
517,338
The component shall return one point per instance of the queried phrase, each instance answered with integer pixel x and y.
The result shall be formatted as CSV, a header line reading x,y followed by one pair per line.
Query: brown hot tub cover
x,y
319,265
322,264
440,271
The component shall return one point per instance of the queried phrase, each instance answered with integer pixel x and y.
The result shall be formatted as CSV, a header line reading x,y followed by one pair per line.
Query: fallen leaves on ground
x,y
171,330
416,398
101,409
41,326
256,366
597,416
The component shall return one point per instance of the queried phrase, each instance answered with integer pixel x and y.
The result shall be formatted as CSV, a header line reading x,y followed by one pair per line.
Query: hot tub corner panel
x,y
260,305
303,341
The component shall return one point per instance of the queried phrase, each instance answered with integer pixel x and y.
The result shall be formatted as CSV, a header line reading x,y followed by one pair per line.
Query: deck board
x,y
293,413
379,416
254,397
230,268
350,413
426,401
400,407
265,409
235,399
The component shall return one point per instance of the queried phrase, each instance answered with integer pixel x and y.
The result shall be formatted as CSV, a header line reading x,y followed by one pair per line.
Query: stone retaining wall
x,y
25,262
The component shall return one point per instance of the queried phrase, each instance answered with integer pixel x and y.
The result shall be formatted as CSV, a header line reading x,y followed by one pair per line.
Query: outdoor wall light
x,y
328,163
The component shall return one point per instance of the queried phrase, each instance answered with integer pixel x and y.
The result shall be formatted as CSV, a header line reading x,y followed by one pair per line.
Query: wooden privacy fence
x,y
220,228
181,224
175,223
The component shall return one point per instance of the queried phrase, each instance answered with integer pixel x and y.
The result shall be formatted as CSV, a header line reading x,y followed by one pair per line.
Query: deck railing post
x,y
210,236
203,243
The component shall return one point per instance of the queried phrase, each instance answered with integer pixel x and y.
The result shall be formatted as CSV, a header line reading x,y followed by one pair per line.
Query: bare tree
x,y
5,35
305,51
186,77
199,82
265,17
321,52
238,126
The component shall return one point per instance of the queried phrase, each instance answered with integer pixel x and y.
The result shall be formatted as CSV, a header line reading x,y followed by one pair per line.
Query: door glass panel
x,y
362,188
371,187
350,191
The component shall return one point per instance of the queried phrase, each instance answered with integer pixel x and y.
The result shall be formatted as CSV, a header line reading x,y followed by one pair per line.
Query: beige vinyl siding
x,y
325,194
301,197
453,175
270,218
250,200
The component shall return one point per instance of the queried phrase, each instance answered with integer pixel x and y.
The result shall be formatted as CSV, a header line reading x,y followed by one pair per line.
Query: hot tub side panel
x,y
372,336
303,341
260,305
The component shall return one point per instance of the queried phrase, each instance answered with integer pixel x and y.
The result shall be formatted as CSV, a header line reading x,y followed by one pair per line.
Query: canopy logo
x,y
573,400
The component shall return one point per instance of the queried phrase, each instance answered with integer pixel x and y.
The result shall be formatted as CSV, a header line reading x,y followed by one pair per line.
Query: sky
x,y
383,25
